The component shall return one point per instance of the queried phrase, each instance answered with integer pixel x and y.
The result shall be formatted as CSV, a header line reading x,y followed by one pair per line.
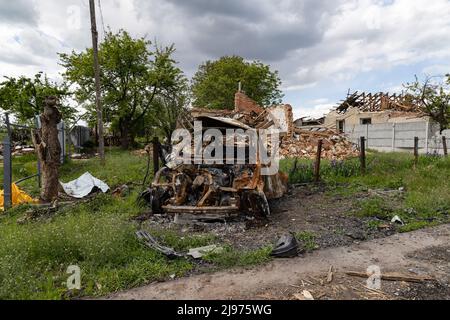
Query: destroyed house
x,y
367,108
309,122
388,122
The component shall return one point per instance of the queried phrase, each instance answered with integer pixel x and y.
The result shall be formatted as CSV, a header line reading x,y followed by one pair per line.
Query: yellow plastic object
x,y
18,197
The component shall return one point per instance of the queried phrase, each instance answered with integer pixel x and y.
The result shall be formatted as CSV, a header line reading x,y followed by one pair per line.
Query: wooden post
x,y
416,151
362,154
155,155
319,156
101,141
444,145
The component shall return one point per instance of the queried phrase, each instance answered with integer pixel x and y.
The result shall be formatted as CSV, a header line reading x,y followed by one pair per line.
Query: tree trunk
x,y
124,136
127,135
49,150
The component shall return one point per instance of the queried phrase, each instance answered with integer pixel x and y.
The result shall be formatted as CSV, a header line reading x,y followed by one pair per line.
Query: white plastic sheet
x,y
83,186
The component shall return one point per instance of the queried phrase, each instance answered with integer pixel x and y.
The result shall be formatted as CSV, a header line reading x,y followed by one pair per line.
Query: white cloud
x,y
317,111
437,70
311,43
408,32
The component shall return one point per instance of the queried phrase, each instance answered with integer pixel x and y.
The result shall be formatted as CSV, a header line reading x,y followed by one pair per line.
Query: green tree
x,y
433,95
216,82
170,107
24,97
133,73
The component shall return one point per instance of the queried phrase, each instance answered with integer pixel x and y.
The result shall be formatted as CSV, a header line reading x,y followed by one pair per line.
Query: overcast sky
x,y
321,48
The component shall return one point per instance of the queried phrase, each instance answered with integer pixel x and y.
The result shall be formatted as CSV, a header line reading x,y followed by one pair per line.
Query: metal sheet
x,y
228,121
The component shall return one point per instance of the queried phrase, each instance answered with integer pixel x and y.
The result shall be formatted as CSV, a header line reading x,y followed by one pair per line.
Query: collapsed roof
x,y
368,102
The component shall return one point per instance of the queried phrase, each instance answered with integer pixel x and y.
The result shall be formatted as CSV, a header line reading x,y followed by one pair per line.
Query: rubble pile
x,y
304,145
18,150
296,142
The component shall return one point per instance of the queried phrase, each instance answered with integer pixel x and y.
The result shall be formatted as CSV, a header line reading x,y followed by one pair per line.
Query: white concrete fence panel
x,y
399,137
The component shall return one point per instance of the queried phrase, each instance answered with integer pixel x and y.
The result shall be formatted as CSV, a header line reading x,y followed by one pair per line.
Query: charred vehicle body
x,y
219,190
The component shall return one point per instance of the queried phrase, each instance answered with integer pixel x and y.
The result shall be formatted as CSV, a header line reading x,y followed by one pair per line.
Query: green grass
x,y
427,188
231,257
374,224
98,236
121,167
375,207
416,225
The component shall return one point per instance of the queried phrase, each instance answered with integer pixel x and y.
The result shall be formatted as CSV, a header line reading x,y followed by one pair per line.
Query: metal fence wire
x,y
10,133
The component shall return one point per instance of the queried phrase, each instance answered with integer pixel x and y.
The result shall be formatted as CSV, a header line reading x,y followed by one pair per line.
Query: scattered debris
x,y
305,295
397,220
357,235
121,191
83,186
79,156
330,275
197,253
23,150
150,242
143,152
286,247
18,197
45,211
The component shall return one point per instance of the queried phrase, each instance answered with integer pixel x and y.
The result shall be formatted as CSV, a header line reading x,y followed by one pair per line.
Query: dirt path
x,y
424,252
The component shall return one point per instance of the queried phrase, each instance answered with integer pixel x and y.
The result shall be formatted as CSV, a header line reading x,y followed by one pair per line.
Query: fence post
x,y
7,173
444,145
155,155
317,164
362,154
8,125
416,151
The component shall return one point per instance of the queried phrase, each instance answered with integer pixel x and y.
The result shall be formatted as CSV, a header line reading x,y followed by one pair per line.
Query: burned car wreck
x,y
217,191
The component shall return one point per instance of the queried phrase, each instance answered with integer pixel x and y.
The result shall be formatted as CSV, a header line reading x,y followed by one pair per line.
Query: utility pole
x,y
101,141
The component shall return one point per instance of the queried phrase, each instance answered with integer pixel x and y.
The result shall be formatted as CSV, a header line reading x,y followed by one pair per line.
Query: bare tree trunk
x,y
49,149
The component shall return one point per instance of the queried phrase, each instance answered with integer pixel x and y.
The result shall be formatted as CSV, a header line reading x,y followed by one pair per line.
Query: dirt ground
x,y
431,262
424,253
342,242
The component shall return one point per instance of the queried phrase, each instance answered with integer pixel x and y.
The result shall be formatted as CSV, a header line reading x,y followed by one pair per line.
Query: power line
x,y
101,18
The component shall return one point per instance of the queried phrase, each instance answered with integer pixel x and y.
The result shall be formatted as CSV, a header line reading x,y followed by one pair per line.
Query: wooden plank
x,y
392,276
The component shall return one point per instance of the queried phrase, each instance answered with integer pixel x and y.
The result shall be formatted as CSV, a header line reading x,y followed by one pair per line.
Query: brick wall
x,y
244,104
